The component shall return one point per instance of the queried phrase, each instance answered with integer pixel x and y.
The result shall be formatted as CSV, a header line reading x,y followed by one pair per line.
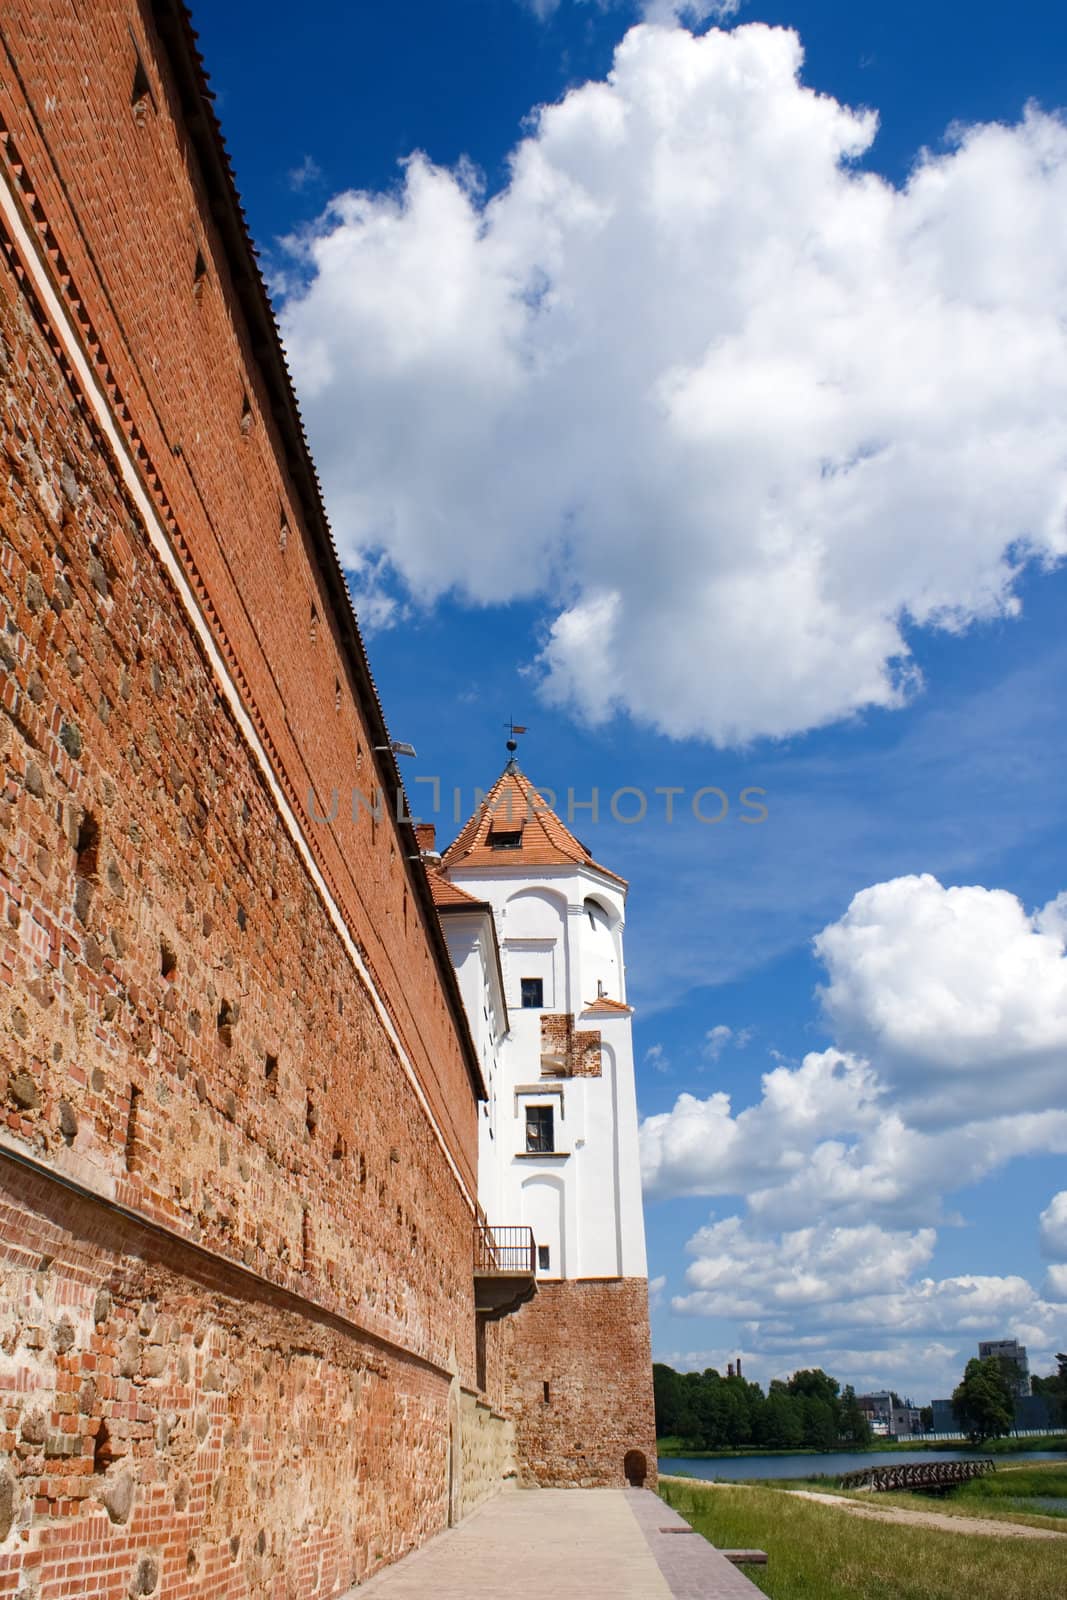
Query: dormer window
x,y
505,839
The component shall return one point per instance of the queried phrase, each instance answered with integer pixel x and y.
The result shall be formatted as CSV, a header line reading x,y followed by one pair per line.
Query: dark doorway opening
x,y
636,1468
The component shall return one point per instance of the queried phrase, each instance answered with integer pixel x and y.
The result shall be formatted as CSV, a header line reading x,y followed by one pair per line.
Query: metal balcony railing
x,y
506,1250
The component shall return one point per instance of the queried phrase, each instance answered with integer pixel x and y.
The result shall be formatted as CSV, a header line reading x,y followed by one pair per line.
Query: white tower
x,y
559,1148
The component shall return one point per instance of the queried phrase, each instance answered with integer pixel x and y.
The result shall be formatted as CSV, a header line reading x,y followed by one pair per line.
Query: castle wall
x,y
161,296
174,1429
239,1131
488,1444
588,1341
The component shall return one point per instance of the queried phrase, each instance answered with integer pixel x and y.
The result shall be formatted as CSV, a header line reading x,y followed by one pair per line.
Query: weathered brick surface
x,y
567,1051
126,204
155,1409
588,1341
247,1094
182,1029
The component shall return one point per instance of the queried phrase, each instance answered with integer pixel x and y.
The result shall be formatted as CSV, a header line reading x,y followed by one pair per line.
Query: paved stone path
x,y
567,1544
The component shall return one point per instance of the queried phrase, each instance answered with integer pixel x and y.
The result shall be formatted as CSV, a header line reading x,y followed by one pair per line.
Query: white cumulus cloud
x,y
957,994
1053,1233
1054,1227
716,1039
809,1294
950,1011
741,1272
701,1147
734,409
949,1007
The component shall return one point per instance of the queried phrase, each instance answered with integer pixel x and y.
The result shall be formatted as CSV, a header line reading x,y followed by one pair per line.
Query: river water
x,y
832,1464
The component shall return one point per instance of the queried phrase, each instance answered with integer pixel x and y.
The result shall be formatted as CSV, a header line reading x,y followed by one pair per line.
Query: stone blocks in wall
x,y
488,1450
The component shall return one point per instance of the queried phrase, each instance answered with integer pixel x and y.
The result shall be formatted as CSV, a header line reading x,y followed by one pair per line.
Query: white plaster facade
x,y
560,928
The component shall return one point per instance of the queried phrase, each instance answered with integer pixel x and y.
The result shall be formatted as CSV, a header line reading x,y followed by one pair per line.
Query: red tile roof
x,y
602,1003
514,806
446,895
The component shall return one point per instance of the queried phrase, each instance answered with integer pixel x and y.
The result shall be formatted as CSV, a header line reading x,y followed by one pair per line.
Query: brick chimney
x,y
425,833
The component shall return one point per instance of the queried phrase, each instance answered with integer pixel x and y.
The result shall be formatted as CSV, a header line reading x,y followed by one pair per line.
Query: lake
x,y
832,1464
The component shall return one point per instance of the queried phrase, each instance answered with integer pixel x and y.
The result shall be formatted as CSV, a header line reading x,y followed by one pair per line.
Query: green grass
x,y
818,1553
1004,1496
1045,1478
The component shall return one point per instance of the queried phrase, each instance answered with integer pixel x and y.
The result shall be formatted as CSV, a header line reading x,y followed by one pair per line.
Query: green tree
x,y
780,1425
669,1398
853,1425
983,1402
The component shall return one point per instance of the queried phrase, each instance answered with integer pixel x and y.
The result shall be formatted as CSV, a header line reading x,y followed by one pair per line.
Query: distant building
x,y
876,1408
1032,1414
904,1421
1032,1411
944,1418
886,1418
1010,1353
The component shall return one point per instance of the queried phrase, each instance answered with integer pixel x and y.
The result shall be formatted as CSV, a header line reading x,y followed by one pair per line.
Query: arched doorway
x,y
635,1468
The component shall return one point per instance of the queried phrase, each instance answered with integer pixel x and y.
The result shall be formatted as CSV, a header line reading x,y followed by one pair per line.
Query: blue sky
x,y
717,463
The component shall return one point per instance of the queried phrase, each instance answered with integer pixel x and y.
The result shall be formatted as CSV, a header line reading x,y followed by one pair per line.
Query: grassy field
x,y
1011,1483
1011,1494
818,1553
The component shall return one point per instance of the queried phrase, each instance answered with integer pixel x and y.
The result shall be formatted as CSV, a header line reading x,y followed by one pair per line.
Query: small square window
x,y
544,1258
533,993
540,1135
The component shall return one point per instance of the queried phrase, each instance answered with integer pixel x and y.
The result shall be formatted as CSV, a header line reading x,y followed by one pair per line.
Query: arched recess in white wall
x,y
600,964
534,914
534,945
610,1072
543,1210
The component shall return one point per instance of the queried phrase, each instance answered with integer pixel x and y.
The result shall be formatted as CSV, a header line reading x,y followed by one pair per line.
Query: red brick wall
x,y
182,1029
126,209
577,1050
188,1432
588,1340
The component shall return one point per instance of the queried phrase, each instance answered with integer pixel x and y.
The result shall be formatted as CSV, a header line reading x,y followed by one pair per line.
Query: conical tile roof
x,y
514,826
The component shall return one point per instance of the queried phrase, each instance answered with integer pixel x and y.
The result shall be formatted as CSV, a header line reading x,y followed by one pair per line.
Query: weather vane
x,y
513,728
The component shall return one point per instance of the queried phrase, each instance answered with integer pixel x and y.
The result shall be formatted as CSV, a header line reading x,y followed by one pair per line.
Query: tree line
x,y
983,1402
709,1412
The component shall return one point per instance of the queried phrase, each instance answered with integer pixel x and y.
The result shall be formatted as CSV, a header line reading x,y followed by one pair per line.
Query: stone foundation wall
x,y
579,1383
488,1445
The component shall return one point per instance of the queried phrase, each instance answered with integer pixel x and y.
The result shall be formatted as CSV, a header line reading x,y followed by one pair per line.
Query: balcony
x,y
505,1269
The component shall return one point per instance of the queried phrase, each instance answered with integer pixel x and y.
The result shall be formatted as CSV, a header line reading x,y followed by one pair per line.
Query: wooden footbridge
x,y
935,1477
